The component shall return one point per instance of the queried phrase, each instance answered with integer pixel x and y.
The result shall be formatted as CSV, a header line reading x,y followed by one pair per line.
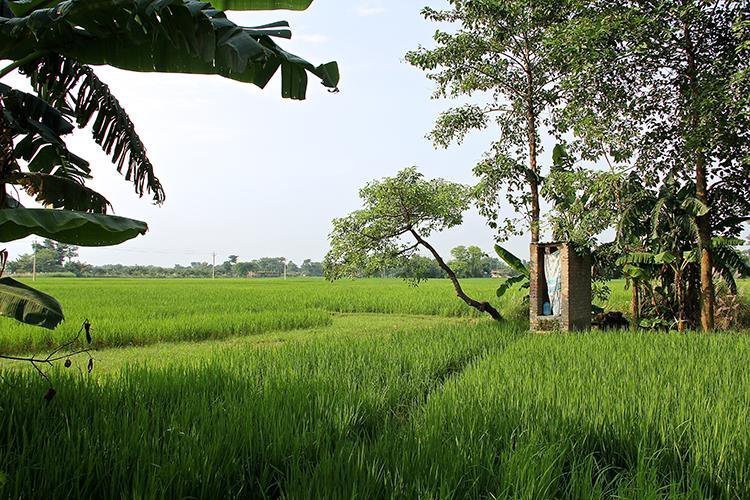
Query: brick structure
x,y
575,270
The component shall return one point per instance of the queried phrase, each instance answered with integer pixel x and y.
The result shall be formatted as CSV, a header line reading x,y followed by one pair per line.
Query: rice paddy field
x,y
364,389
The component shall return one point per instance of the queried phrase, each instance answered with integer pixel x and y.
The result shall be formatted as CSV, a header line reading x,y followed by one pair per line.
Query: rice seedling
x,y
309,390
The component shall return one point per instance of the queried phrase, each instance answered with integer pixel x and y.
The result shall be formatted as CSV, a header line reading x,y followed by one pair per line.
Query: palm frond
x,y
59,192
176,36
76,91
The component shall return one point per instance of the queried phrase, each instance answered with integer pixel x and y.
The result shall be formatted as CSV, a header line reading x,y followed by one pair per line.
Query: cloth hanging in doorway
x,y
554,284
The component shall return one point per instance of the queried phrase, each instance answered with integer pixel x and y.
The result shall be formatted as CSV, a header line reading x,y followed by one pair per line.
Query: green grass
x,y
395,393
126,312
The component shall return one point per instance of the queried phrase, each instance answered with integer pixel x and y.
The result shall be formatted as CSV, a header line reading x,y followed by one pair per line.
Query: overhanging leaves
x,y
27,305
176,36
76,90
261,4
75,228
60,192
23,7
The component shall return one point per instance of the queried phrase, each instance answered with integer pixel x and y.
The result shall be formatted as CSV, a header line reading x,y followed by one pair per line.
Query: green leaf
x,y
560,157
635,272
261,4
59,192
175,36
27,305
695,207
664,258
65,226
636,258
509,282
23,7
514,262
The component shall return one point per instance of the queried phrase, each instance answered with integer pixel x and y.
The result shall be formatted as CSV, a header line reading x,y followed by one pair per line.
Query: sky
x,y
249,173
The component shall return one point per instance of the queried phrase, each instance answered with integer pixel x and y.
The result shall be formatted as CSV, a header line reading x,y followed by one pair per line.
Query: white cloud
x,y
365,10
310,38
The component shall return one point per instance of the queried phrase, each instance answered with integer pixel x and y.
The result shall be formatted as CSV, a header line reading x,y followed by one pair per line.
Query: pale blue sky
x,y
249,173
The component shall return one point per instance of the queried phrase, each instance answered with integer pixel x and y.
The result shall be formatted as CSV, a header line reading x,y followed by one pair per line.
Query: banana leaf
x,y
23,7
514,262
27,305
175,36
509,282
59,192
65,226
261,4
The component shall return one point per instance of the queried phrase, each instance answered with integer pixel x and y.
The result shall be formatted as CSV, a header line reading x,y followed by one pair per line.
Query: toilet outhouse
x,y
560,287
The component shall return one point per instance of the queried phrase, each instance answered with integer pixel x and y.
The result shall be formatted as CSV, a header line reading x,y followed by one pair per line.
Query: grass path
x,y
113,359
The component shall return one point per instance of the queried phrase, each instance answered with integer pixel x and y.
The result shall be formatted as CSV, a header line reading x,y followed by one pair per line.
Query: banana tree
x,y
54,43
661,276
522,276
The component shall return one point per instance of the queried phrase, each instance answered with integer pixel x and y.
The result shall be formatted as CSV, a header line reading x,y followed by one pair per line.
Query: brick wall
x,y
575,313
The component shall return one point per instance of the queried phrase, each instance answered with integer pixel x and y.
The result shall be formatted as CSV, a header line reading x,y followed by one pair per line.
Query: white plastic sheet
x,y
554,282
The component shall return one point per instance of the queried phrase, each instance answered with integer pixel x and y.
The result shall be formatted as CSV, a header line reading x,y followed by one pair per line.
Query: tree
x,y
406,206
498,53
468,262
310,268
660,85
61,251
53,43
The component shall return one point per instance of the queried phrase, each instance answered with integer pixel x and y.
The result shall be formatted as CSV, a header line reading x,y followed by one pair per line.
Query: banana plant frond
x,y
76,91
175,36
513,262
261,4
59,192
67,226
28,305
23,7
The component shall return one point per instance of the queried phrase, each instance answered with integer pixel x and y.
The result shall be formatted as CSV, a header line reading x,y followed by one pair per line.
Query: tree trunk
x,y
680,292
701,186
534,188
635,306
484,307
704,243
533,176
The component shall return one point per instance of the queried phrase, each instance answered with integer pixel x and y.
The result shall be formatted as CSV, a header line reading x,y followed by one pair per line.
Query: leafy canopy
x,y
379,235
495,55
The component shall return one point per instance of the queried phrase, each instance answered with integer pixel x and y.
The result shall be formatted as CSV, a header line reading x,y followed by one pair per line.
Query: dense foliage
x,y
497,54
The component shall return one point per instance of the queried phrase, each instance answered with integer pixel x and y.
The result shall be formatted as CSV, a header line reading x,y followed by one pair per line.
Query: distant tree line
x,y
59,258
54,258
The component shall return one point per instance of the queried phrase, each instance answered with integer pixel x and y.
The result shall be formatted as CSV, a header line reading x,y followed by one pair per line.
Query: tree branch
x,y
484,307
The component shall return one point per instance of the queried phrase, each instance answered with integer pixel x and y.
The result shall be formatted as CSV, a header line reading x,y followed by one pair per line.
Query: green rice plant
x,y
138,312
578,416
235,423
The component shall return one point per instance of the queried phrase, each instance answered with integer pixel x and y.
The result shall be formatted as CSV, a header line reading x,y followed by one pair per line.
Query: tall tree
x,y
655,84
398,216
468,261
498,54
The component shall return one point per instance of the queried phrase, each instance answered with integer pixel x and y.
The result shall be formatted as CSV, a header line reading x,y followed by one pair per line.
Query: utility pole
x,y
213,265
33,267
286,263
